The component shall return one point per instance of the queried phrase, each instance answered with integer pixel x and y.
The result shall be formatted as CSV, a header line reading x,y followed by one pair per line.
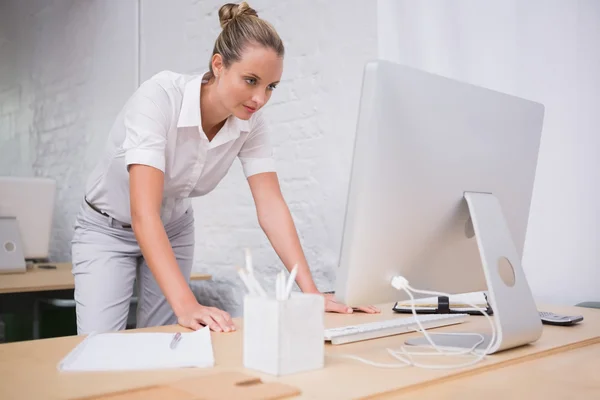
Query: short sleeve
x,y
256,154
146,126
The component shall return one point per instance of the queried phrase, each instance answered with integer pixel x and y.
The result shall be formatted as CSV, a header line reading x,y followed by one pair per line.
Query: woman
x,y
176,138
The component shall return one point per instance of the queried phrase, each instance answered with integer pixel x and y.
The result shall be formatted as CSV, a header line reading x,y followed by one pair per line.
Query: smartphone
x,y
550,318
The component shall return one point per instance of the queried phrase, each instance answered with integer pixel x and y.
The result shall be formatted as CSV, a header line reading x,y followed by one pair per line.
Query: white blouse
x,y
160,126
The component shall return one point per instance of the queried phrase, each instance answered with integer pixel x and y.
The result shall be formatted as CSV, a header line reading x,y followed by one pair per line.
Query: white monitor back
x,y
31,201
422,141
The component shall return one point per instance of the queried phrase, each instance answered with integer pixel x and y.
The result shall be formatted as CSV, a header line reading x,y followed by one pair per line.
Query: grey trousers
x,y
107,260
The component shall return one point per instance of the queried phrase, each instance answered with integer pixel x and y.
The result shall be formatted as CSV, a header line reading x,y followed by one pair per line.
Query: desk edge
x,y
491,367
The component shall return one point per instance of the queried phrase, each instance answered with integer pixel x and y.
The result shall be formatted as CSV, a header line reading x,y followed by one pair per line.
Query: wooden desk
x,y
565,375
35,361
39,279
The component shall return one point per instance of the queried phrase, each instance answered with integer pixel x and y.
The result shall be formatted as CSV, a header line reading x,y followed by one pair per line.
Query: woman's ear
x,y
217,64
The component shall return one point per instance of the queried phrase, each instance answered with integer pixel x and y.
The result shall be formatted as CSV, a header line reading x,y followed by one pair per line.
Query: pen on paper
x,y
176,339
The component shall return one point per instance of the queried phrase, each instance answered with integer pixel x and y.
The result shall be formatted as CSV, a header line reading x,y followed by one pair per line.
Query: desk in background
x,y
30,290
559,347
38,279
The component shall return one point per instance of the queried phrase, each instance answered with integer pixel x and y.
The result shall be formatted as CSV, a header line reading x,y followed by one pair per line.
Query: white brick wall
x,y
73,64
312,114
62,79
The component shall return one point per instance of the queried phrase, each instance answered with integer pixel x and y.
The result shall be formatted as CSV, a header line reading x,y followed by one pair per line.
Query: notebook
x,y
140,351
458,303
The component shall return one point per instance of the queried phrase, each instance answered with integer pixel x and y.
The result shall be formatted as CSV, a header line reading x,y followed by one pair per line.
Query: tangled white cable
x,y
406,357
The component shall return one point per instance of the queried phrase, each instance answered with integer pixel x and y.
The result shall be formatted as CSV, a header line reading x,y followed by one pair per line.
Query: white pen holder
x,y
283,337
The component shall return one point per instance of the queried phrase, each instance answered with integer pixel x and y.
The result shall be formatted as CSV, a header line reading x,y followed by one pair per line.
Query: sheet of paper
x,y
140,351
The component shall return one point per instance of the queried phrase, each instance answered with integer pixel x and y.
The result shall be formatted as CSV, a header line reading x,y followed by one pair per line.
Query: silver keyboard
x,y
372,330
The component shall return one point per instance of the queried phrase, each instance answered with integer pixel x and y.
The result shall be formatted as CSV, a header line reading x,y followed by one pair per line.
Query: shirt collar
x,y
190,115
190,107
231,130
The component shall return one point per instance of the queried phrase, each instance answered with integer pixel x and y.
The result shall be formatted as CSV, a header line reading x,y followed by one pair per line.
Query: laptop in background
x,y
26,213
12,258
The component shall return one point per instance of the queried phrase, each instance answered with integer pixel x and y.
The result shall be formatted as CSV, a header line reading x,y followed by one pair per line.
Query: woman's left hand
x,y
331,305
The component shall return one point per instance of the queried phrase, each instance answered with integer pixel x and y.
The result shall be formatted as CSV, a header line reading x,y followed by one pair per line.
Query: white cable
x,y
406,357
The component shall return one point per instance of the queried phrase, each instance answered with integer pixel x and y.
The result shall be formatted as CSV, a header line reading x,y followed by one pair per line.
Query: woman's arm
x,y
276,221
146,186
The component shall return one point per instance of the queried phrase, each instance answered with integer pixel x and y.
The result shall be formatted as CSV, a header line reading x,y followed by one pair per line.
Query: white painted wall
x,y
547,51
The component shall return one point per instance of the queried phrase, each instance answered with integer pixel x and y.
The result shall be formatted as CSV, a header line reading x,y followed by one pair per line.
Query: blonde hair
x,y
241,27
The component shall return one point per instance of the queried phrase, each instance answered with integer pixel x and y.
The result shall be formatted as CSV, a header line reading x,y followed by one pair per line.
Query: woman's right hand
x,y
197,315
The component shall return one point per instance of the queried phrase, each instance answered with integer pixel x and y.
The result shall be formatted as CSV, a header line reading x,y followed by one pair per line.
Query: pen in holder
x,y
283,336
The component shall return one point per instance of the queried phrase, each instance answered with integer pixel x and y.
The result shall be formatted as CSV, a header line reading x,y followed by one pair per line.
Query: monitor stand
x,y
515,314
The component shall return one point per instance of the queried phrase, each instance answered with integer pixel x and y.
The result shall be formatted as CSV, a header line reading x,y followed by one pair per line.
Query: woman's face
x,y
246,86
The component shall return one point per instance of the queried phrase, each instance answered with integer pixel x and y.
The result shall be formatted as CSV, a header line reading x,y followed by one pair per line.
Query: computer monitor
x,y
440,191
31,200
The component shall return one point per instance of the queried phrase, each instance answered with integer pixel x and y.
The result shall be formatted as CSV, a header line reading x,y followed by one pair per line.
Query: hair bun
x,y
230,11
